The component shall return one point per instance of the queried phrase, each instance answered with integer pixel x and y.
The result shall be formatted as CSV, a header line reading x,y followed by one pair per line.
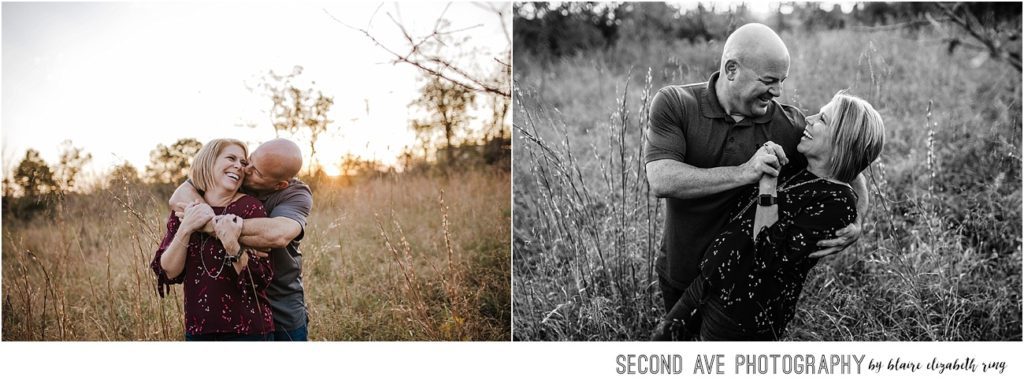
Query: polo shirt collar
x,y
710,108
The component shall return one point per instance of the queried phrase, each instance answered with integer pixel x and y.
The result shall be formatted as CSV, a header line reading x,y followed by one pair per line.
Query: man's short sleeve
x,y
665,139
295,204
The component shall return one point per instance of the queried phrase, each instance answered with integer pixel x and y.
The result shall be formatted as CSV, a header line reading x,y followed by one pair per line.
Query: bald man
x,y
270,177
703,146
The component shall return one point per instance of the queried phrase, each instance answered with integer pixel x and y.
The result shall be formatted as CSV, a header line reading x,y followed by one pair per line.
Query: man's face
x,y
755,85
256,176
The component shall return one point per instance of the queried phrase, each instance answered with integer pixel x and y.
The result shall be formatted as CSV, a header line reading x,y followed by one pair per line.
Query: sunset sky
x,y
119,78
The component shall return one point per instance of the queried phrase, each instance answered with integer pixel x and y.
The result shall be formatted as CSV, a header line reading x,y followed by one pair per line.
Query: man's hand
x,y
844,238
259,252
179,209
227,227
196,215
768,159
183,195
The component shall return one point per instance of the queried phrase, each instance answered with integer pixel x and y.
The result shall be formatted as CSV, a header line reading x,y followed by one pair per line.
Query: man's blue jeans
x,y
297,334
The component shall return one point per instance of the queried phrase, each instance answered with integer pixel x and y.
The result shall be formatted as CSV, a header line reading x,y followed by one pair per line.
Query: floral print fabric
x,y
227,302
749,290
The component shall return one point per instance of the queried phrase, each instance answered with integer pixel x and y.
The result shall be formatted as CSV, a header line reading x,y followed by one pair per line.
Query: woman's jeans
x,y
712,324
229,337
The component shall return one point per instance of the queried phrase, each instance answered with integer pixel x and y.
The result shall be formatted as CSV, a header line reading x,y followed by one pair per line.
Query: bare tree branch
x,y
436,65
969,23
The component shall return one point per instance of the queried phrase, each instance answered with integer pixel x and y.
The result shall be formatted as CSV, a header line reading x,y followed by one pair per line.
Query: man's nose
x,y
775,90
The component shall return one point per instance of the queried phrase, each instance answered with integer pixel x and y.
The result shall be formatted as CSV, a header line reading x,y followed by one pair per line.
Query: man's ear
x,y
732,68
281,185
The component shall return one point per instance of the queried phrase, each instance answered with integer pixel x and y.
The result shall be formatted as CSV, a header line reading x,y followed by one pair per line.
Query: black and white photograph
x,y
727,171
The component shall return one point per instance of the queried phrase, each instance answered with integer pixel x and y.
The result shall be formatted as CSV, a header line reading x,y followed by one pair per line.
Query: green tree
x,y
123,175
296,110
447,104
170,164
72,160
500,103
35,177
8,188
316,123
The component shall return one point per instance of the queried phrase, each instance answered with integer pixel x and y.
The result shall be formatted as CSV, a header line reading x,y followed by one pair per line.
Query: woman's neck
x,y
219,197
818,167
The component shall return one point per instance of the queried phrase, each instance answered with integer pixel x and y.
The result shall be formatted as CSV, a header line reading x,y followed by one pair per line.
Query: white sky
x,y
119,78
759,9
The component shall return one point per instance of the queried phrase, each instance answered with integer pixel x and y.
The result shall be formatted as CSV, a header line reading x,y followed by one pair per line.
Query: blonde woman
x,y
748,286
224,287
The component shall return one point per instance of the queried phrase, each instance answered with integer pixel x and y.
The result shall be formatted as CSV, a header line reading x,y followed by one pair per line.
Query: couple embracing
x,y
756,193
233,240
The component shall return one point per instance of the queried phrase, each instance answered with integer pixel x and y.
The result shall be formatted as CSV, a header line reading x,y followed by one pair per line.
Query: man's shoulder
x,y
296,184
683,91
681,97
296,190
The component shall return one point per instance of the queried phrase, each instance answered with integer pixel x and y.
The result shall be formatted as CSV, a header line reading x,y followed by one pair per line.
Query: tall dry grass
x,y
84,273
940,256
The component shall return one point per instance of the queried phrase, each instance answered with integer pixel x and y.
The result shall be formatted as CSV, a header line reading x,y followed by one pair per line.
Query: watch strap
x,y
234,258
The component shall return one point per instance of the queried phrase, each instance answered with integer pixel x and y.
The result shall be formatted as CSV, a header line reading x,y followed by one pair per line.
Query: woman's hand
x,y
196,216
767,160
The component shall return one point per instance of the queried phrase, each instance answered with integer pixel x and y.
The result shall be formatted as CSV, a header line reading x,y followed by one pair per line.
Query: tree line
x,y
453,84
442,135
552,30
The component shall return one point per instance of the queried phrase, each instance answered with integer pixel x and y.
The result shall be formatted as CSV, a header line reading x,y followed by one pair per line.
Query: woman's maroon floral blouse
x,y
230,302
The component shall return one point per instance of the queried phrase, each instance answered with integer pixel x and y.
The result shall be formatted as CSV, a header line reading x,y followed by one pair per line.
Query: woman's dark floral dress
x,y
230,302
749,291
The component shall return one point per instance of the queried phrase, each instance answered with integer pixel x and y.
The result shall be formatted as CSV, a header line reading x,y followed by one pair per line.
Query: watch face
x,y
766,200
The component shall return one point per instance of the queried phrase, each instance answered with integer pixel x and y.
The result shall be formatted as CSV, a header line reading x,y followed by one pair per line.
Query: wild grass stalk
x,y
96,256
590,238
940,255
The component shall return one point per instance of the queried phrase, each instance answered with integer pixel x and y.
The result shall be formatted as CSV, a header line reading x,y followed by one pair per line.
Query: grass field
x,y
397,258
940,256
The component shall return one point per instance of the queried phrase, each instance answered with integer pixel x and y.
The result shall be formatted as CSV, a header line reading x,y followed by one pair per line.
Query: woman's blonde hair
x,y
202,172
858,136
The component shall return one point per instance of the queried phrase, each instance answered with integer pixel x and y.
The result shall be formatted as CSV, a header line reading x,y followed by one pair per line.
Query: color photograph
x,y
268,172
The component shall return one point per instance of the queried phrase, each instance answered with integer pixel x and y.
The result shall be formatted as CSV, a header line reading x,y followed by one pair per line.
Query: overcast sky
x,y
119,78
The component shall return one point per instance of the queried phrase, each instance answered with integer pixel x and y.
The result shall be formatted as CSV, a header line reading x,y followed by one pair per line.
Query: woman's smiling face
x,y
229,167
817,138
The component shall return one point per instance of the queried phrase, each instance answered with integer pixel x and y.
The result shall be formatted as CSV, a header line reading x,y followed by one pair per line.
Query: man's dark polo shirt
x,y
690,126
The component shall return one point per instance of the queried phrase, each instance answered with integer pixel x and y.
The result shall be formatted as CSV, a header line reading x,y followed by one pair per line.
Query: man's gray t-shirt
x,y
689,125
285,291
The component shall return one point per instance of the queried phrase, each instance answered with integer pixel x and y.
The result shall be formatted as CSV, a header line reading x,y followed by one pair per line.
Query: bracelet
x,y
234,258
